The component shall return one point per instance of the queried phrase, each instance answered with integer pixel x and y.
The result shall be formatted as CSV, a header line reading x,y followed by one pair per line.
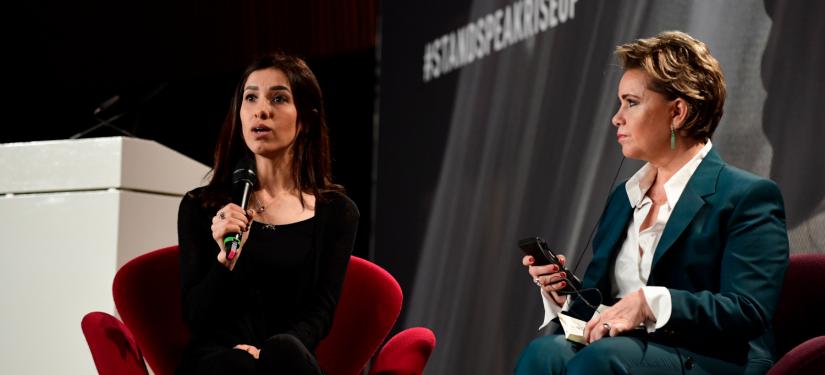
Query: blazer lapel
x,y
609,236
616,227
701,184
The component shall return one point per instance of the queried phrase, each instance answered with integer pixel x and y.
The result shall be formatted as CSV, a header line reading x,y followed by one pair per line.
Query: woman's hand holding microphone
x,y
230,219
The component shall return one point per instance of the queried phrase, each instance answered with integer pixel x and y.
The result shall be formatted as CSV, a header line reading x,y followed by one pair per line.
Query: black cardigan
x,y
222,308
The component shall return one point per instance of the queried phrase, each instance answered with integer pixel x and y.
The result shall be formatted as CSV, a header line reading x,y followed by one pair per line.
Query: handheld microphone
x,y
244,180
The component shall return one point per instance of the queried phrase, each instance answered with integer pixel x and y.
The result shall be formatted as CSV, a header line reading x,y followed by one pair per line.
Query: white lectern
x,y
71,213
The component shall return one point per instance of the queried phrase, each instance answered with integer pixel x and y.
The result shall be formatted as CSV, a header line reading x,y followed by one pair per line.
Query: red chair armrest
x,y
806,358
405,353
114,350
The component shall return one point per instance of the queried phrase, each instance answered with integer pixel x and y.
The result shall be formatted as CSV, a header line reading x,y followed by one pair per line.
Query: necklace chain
x,y
261,207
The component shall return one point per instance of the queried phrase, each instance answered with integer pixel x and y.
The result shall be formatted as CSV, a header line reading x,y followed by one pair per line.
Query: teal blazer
x,y
722,256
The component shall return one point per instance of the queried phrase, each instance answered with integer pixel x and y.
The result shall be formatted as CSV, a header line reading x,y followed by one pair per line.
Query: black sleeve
x,y
205,282
337,241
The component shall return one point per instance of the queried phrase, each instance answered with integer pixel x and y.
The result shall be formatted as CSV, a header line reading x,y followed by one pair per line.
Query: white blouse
x,y
632,267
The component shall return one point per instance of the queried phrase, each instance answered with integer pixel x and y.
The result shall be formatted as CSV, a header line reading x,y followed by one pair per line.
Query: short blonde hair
x,y
679,66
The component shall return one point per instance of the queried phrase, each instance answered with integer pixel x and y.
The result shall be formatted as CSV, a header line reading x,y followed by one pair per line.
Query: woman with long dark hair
x,y
265,309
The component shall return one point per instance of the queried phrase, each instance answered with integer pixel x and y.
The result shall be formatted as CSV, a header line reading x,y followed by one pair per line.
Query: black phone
x,y
537,248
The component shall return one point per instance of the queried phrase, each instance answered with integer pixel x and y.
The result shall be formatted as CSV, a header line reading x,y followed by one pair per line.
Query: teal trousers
x,y
615,355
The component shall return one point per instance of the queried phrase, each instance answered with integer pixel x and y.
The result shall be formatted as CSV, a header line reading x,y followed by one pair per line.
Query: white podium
x,y
71,213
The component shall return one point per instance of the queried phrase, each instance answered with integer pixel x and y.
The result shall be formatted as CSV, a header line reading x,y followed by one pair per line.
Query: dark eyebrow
x,y
273,88
279,88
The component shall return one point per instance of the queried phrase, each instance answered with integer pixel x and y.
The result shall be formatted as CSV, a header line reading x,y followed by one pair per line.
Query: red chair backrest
x,y
369,305
147,296
801,308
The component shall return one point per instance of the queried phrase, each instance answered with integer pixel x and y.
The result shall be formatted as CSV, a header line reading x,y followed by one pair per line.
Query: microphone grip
x,y
232,242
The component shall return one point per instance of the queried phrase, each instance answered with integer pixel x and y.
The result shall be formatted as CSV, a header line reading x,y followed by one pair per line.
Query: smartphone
x,y
537,248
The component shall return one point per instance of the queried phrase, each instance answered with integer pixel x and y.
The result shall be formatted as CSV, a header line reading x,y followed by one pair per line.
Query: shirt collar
x,y
642,180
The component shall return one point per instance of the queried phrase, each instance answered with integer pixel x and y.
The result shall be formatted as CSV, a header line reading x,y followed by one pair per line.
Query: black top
x,y
287,279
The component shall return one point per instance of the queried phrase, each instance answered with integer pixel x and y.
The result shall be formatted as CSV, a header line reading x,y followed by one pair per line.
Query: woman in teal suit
x,y
692,250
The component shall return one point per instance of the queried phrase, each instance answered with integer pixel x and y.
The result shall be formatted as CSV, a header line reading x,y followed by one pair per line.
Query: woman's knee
x,y
609,355
287,354
229,361
284,342
545,355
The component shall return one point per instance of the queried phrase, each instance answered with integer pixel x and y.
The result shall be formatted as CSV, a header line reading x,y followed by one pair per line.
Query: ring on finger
x,y
221,215
537,281
606,326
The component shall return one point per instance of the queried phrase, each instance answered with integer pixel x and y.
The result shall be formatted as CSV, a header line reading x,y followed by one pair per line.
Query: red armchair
x,y
799,319
147,296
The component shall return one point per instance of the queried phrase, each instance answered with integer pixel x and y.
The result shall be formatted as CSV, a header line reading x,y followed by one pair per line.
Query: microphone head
x,y
245,172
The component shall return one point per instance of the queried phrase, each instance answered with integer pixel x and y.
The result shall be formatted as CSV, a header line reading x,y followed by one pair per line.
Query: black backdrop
x,y
174,65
